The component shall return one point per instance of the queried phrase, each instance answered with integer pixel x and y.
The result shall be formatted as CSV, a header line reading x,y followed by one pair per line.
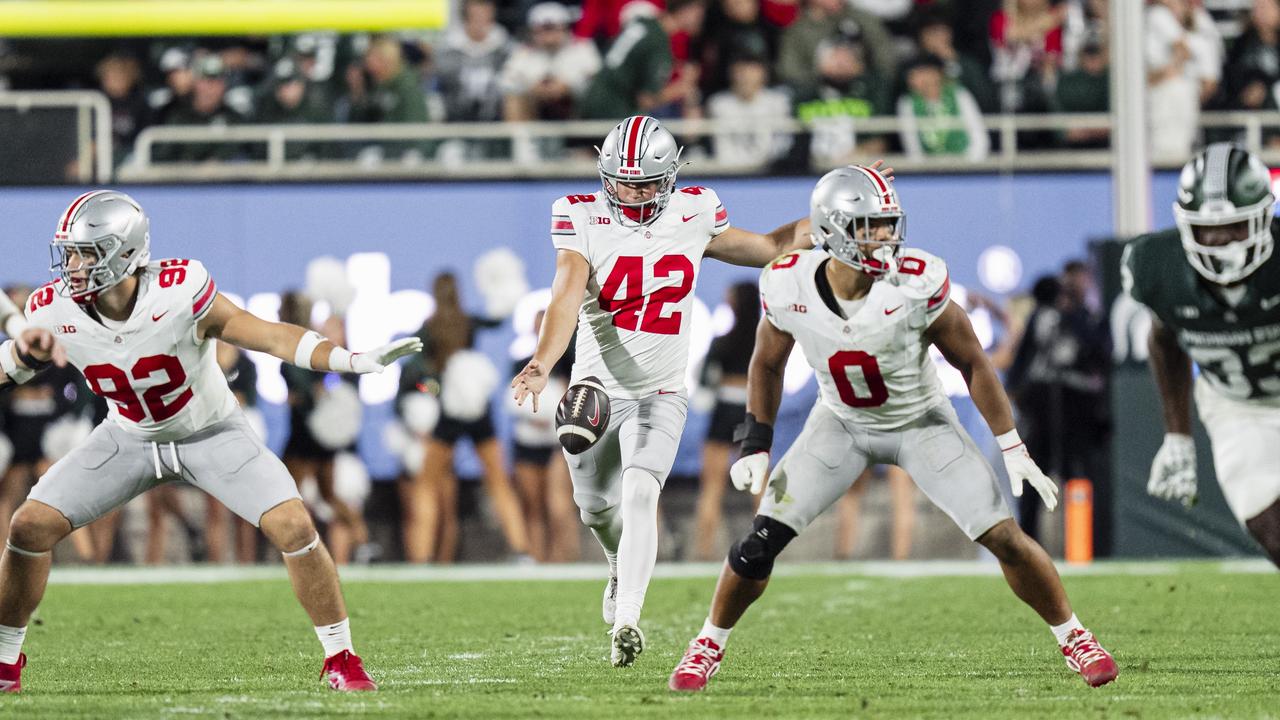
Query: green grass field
x,y
1192,639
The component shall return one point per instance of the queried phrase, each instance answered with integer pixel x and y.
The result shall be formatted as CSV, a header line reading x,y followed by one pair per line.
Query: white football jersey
x,y
633,328
162,383
874,368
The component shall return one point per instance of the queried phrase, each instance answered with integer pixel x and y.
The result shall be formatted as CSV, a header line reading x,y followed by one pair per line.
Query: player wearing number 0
x,y
141,332
1213,287
865,311
626,265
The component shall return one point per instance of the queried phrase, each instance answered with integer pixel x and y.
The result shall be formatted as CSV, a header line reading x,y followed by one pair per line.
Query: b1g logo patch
x,y
65,330
599,220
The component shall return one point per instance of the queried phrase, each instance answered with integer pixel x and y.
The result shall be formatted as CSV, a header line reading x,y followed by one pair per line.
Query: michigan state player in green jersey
x,y
1213,287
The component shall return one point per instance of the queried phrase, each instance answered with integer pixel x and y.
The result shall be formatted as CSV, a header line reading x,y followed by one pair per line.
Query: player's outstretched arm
x,y
295,344
567,291
953,335
1173,471
764,393
32,350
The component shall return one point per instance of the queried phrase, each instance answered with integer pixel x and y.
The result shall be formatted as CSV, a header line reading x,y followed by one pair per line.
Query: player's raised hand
x,y
750,472
377,360
1173,471
530,382
42,345
1023,469
885,171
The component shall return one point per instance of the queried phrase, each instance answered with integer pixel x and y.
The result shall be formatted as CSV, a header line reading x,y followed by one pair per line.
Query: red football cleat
x,y
345,671
11,675
1085,656
701,662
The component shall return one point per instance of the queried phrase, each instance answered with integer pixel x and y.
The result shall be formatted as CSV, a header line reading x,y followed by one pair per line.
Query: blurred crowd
x,y
516,501
825,62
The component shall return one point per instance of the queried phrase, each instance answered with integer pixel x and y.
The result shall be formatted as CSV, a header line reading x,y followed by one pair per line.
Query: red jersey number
x,y
623,294
41,297
173,272
575,199
839,365
153,398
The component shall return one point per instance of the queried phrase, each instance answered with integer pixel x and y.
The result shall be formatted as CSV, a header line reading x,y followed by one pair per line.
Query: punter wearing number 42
x,y
1213,287
626,264
865,311
141,331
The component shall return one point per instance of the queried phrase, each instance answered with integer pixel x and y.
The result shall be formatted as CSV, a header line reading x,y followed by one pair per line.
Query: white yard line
x,y
202,574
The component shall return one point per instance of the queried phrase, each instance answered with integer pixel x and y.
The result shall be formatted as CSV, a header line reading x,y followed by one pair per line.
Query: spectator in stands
x,y
637,75
1253,66
821,21
431,509
1086,89
467,66
902,498
286,101
1026,38
179,79
391,93
734,31
207,106
932,97
119,79
1086,22
1058,381
724,373
743,135
304,455
544,77
846,91
934,36
1184,64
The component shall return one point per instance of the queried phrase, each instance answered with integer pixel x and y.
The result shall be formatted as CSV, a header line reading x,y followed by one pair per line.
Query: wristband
x,y
16,373
307,345
753,436
1008,441
31,361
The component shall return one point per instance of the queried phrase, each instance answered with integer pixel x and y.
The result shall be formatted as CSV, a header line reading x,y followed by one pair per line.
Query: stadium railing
x,y
92,119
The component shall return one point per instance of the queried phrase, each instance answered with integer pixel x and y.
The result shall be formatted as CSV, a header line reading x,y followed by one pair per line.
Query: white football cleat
x,y
609,607
628,643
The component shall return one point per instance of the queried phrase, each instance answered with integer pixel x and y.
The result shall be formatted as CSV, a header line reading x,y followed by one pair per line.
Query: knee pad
x,y
752,557
594,510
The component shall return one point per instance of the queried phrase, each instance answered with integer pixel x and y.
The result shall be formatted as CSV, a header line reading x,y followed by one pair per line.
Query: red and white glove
x,y
750,472
1021,468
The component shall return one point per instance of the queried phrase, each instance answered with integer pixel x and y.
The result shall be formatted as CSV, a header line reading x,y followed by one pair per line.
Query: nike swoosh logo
x,y
595,416
666,392
687,218
156,318
890,312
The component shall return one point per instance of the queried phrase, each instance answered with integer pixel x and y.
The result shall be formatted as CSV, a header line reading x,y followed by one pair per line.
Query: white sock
x,y
638,549
718,635
1065,629
11,643
336,637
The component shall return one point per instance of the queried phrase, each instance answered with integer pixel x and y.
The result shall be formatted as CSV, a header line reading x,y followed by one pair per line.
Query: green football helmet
x,y
1225,184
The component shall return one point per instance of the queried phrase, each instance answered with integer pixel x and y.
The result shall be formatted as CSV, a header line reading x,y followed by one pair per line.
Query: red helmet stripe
x,y
885,196
633,140
70,214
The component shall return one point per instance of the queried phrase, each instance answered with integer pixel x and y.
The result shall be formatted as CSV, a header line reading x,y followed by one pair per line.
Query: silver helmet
x,y
639,150
851,197
111,227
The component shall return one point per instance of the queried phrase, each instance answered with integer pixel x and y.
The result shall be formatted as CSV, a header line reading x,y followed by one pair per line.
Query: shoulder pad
x,y
41,299
922,276
780,279
187,284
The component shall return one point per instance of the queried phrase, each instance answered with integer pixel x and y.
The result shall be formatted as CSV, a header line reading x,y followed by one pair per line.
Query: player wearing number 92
x,y
865,310
1213,288
142,333
626,264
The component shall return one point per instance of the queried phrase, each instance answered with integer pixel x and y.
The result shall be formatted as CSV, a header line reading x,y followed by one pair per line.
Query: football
x,y
583,415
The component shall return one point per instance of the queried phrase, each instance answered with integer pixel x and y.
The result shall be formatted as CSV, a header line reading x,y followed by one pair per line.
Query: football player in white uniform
x,y
864,313
140,331
626,265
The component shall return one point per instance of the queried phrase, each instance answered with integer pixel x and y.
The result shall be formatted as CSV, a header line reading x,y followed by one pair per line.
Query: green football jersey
x,y
1237,347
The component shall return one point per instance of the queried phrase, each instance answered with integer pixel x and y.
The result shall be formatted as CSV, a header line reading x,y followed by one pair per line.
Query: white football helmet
x,y
108,225
847,198
639,150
